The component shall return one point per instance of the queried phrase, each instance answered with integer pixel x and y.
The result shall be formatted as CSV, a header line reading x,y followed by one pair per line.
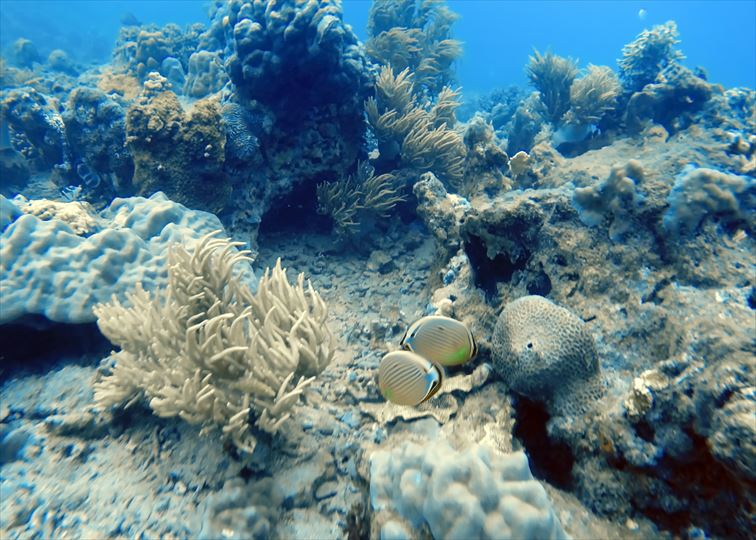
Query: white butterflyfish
x,y
406,378
441,340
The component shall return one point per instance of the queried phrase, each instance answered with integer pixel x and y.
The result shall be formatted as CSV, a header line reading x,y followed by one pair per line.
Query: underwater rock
x,y
14,172
25,53
58,60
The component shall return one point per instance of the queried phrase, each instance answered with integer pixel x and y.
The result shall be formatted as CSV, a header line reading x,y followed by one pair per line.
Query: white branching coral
x,y
208,349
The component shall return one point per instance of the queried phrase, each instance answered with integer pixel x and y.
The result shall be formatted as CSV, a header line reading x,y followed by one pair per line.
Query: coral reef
x,y
141,50
645,58
412,136
47,269
552,76
474,493
178,152
95,129
208,349
414,35
36,127
701,192
545,353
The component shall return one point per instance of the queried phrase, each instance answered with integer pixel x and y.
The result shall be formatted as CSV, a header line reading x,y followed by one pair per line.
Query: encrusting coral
x,y
208,349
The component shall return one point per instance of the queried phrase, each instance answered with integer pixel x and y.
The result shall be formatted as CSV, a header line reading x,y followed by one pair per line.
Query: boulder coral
x,y
544,352
293,56
178,152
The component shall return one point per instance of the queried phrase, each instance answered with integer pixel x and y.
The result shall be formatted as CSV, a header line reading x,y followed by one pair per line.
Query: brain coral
x,y
475,493
544,352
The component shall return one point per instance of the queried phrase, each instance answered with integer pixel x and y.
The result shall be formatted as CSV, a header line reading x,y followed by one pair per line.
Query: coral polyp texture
x,y
209,350
473,493
544,352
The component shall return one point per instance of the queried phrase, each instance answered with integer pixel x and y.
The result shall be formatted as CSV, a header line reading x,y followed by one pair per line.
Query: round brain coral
x,y
544,352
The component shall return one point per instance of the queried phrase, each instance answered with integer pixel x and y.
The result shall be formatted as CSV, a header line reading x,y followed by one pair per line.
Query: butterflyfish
x,y
406,378
441,340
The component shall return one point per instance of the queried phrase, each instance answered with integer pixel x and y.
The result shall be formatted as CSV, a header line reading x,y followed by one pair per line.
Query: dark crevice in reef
x,y
702,478
539,284
550,461
37,345
296,211
488,272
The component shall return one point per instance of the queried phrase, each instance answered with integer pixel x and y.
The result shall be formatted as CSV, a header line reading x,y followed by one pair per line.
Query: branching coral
x,y
651,52
209,350
407,34
592,96
420,136
347,200
552,76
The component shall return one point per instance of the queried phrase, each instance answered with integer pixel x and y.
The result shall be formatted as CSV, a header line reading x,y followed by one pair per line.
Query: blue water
x,y
498,35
